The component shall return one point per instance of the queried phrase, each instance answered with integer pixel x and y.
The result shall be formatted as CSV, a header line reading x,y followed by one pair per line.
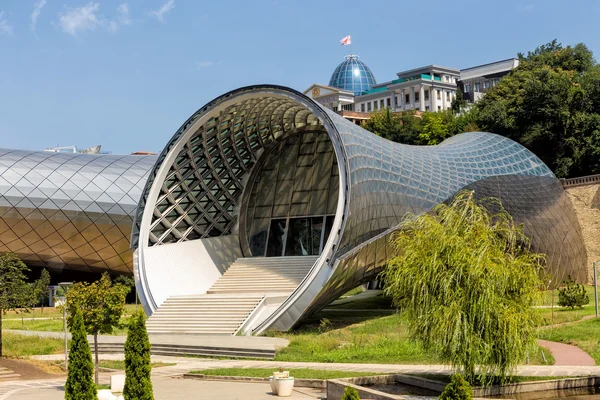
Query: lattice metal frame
x,y
203,186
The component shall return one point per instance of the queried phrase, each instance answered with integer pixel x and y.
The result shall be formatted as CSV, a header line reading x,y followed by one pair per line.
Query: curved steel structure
x,y
202,183
70,211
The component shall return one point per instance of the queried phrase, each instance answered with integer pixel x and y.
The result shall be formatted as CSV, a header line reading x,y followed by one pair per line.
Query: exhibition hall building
x,y
263,207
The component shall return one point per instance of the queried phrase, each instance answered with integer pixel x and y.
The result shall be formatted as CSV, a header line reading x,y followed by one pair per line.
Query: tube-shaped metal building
x,y
69,212
264,194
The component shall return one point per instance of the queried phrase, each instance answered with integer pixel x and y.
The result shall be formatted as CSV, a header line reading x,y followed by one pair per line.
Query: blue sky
x,y
127,74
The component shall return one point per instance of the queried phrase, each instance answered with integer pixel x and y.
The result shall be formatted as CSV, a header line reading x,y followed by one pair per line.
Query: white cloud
x,y
163,10
81,19
122,18
123,14
5,27
204,64
37,9
207,64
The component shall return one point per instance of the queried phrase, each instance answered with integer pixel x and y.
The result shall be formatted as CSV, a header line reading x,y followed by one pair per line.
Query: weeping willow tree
x,y
465,278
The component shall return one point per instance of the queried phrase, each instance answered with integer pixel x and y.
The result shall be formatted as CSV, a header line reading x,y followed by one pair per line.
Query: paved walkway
x,y
176,389
565,354
221,341
168,388
186,364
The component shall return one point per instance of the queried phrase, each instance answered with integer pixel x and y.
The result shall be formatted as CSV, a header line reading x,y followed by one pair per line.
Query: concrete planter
x,y
284,386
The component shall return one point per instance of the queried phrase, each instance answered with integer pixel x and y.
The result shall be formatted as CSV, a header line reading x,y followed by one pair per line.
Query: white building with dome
x,y
354,92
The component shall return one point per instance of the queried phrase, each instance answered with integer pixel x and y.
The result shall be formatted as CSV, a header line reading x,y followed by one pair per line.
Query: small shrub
x,y
572,295
350,394
457,389
325,325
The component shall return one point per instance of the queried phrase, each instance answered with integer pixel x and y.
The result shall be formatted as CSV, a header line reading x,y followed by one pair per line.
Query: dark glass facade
x,y
295,183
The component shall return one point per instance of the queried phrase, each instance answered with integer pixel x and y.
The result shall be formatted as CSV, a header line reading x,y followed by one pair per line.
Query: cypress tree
x,y
138,385
80,379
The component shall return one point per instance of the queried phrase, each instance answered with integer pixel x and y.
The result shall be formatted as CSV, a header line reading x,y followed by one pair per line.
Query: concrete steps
x,y
232,299
8,375
197,351
202,314
263,275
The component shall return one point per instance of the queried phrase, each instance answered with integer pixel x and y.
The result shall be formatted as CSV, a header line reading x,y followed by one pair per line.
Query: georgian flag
x,y
345,41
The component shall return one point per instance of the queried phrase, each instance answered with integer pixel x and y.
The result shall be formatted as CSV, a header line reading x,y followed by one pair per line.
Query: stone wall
x,y
586,200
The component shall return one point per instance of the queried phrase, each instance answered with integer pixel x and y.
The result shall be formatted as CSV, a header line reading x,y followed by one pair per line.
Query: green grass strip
x,y
296,373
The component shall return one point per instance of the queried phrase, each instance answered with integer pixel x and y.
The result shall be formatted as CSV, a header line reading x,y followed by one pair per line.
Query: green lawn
x,y
50,325
361,338
561,315
379,302
547,296
355,291
20,345
120,364
584,334
52,312
296,373
365,340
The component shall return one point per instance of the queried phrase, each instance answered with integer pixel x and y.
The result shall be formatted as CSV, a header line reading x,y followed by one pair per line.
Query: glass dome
x,y
352,75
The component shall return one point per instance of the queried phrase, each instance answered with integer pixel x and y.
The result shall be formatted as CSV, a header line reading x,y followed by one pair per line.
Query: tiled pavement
x,y
565,354
186,364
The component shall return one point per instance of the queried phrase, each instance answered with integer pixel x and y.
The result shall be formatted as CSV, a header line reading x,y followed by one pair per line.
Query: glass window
x,y
438,94
362,107
486,84
381,104
416,97
304,237
407,98
467,88
369,107
389,102
439,108
276,238
448,96
426,94
477,87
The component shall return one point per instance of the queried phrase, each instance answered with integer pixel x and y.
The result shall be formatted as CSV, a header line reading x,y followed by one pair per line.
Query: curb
x,y
308,383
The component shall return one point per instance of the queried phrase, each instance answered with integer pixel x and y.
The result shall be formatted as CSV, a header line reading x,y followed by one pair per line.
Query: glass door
x,y
277,235
303,236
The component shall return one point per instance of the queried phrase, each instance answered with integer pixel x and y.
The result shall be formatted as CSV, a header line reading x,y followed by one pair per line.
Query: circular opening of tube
x,y
197,190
